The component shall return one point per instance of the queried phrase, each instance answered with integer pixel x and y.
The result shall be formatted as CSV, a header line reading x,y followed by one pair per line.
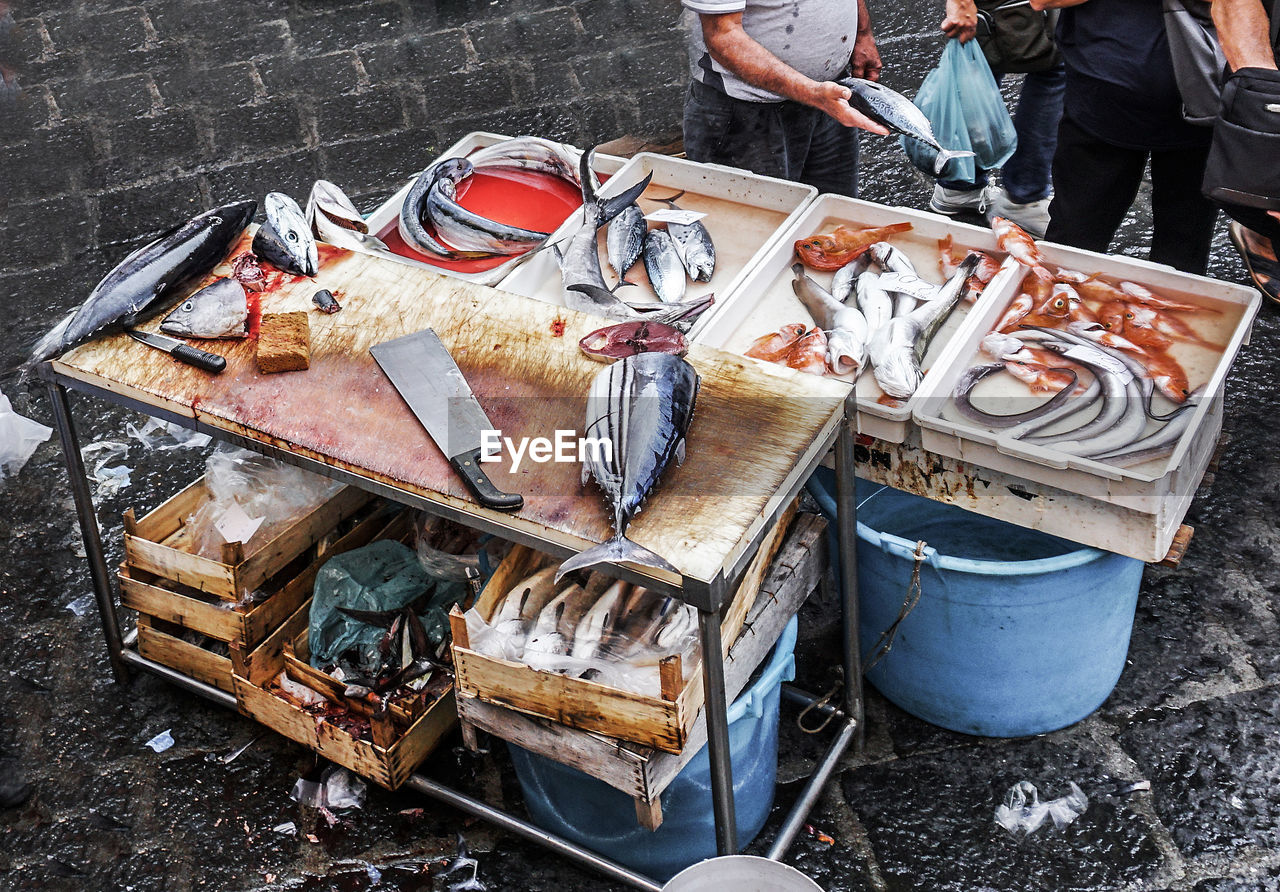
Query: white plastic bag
x,y
19,437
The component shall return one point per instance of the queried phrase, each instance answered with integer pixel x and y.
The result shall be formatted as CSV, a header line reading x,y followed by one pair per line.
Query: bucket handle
x,y
919,555
901,548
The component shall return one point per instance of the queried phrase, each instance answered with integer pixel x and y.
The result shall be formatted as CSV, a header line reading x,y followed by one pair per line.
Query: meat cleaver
x,y
428,379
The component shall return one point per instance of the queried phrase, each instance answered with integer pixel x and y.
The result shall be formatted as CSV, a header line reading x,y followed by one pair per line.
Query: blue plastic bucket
x,y
578,807
1016,632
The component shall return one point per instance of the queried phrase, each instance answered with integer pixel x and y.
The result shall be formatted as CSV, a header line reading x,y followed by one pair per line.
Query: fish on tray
x,y
642,405
1015,241
624,240
693,244
149,280
830,251
986,270
795,345
220,310
845,326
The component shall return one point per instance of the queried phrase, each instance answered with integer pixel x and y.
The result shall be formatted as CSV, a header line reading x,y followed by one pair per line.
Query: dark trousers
x,y
777,139
1095,182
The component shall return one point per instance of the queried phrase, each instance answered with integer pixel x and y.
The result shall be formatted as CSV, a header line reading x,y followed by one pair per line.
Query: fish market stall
x,y
336,413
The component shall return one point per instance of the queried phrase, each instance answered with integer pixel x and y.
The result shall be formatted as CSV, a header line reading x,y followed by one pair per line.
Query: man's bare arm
x,y
1244,31
733,48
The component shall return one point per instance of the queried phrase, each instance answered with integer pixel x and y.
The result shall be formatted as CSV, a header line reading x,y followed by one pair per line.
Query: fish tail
x,y
945,156
611,207
617,550
671,202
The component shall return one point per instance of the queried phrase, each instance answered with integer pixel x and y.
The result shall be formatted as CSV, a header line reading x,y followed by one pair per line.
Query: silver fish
x,y
890,259
874,302
149,280
693,244
219,310
641,406
970,379
1119,421
662,263
900,115
1155,445
412,228
285,239
580,260
334,220
845,326
842,281
464,230
528,598
625,239
597,621
897,348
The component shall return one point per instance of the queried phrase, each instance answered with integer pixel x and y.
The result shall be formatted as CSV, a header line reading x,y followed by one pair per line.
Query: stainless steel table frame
x,y
707,598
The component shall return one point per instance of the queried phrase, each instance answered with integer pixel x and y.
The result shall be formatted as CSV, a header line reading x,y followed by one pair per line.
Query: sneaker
x,y
1032,216
957,201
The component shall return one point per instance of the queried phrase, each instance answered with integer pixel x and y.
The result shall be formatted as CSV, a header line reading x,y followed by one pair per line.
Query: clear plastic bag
x,y
962,101
1022,813
19,437
261,488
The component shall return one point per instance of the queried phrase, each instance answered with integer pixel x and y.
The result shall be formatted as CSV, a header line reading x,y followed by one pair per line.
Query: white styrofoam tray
x,y
743,212
766,302
1158,487
385,218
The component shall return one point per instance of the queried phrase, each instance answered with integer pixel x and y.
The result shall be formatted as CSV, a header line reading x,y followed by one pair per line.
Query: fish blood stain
x,y
557,328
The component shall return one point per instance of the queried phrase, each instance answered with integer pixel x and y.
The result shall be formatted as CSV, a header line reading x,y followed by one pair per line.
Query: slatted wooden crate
x,y
160,543
168,610
401,739
662,722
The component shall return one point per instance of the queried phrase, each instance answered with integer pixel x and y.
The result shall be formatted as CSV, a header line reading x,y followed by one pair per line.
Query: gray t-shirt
x,y
815,37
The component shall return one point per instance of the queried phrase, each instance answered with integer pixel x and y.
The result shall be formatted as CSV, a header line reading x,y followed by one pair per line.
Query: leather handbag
x,y
1198,62
1015,38
1242,166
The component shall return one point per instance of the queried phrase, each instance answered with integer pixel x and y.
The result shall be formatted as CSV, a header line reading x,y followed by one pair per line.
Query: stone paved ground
x,y
118,118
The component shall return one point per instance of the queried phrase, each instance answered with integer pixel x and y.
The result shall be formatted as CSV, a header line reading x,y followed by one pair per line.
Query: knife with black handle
x,y
201,359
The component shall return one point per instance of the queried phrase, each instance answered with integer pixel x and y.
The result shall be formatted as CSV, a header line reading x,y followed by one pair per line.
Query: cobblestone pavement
x,y
118,118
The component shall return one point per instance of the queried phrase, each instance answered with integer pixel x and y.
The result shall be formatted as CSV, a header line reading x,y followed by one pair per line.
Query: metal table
x,y
707,598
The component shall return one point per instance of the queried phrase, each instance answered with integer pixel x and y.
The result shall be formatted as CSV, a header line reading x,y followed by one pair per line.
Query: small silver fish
x,y
219,310
285,240
693,244
662,263
900,115
845,326
842,281
597,620
625,239
874,302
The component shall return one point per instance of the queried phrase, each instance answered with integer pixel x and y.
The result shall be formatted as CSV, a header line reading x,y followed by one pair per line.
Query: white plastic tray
x,y
743,213
766,302
386,217
1162,487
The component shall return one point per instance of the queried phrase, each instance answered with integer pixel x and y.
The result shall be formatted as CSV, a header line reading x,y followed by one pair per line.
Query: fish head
x,y
899,374
845,353
334,203
814,249
1001,345
288,242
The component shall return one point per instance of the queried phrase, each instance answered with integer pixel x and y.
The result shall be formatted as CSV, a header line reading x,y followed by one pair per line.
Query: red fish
x,y
830,251
1165,322
1145,296
1039,283
809,353
1168,376
1013,239
773,347
986,270
1118,318
1019,307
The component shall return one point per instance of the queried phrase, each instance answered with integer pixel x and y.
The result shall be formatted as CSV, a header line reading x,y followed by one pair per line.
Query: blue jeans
x,y
1026,175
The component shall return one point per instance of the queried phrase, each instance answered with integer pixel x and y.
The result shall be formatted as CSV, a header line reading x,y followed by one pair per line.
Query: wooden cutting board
x,y
751,427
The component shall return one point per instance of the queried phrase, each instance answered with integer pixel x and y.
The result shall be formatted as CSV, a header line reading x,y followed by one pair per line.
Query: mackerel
x,y
465,230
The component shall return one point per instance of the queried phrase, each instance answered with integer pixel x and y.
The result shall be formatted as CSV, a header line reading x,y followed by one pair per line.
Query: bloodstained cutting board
x,y
751,428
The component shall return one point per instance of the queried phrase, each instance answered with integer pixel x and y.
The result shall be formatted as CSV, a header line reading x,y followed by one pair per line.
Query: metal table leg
x,y
717,714
89,530
847,536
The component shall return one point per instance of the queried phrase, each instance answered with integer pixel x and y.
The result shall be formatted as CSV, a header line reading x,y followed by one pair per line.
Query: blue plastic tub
x,y
1016,632
578,807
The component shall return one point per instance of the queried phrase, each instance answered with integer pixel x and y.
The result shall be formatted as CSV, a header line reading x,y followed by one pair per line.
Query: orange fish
x,y
1039,283
809,353
773,347
1145,296
1038,377
986,270
1099,291
1165,322
1013,239
1019,307
830,251
1167,374
1117,318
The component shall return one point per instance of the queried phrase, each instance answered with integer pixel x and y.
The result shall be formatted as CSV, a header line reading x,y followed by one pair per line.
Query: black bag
x,y
1244,161
1198,63
1015,38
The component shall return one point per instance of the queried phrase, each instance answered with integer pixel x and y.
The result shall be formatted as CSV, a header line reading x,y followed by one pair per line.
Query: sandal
x,y
1265,271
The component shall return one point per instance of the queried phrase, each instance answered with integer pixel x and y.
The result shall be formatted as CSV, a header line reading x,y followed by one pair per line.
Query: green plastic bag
x,y
383,575
962,101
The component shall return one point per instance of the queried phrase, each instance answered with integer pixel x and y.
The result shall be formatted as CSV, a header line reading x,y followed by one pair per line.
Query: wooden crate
x,y
400,741
662,722
163,643
166,610
159,543
641,772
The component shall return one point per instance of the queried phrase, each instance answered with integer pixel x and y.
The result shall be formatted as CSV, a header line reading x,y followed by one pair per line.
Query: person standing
x,y
1122,109
1250,38
1023,195
763,97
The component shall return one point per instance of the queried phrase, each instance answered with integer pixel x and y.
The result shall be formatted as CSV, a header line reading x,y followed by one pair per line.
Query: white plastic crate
x,y
765,301
743,211
1162,488
385,218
